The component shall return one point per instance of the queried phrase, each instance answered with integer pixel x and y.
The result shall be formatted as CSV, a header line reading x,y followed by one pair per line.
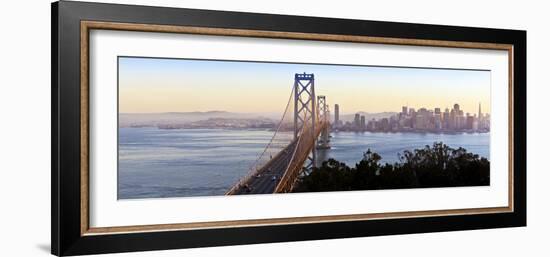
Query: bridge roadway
x,y
265,181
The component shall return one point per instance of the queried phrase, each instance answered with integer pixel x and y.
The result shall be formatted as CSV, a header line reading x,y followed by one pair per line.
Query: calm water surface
x,y
157,163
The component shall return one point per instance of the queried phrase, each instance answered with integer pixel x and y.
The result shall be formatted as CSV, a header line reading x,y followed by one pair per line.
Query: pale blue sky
x,y
181,85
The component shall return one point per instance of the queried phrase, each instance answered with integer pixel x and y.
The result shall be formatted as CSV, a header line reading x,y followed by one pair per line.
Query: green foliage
x,y
432,166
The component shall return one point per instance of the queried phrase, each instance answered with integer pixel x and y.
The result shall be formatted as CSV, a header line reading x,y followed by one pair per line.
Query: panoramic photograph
x,y
191,127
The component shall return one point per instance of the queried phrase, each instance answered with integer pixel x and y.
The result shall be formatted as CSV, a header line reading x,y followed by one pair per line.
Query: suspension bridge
x,y
291,153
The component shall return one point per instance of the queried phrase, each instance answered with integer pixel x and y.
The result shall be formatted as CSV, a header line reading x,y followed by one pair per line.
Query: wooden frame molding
x,y
86,26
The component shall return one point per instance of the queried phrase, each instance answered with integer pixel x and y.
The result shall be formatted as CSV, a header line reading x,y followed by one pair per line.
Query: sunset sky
x,y
149,85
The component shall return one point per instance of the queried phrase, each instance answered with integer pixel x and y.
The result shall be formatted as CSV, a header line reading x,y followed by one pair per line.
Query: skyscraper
x,y
437,118
336,114
479,112
357,120
446,119
469,121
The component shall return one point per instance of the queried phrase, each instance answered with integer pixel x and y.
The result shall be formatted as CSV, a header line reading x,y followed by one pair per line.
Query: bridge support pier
x,y
324,116
305,110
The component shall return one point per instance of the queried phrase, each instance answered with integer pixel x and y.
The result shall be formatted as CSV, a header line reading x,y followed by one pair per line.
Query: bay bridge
x,y
291,153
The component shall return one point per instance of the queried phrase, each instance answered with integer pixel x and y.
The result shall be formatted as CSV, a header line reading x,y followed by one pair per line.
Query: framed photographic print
x,y
177,128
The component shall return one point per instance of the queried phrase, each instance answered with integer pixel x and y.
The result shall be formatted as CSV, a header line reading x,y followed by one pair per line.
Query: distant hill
x,y
154,119
178,118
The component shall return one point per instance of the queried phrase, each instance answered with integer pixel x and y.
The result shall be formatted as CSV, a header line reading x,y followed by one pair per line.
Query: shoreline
x,y
333,131
415,132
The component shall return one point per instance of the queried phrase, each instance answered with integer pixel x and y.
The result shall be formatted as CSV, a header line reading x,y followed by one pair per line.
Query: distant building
x,y
422,119
446,119
384,124
357,120
371,125
362,124
469,121
437,119
336,114
479,112
412,113
461,120
475,125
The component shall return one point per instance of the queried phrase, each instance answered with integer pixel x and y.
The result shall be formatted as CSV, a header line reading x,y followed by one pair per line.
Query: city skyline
x,y
450,106
422,119
153,85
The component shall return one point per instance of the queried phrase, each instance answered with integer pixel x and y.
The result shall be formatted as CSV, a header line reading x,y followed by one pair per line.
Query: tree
x,y
432,166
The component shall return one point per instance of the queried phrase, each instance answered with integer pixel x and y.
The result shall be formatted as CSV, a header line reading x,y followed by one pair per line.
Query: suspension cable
x,y
253,168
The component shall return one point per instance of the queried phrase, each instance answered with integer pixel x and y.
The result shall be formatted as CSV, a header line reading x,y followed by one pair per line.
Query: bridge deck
x,y
265,181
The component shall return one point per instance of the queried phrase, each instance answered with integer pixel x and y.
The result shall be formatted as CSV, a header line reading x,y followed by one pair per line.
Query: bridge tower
x,y
324,116
305,110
